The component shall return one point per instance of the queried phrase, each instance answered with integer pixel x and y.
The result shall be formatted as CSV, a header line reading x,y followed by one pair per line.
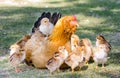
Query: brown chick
x,y
57,60
102,41
19,44
100,56
88,51
16,58
76,58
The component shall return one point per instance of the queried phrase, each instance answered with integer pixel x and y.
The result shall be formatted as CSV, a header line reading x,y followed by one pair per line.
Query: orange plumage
x,y
60,35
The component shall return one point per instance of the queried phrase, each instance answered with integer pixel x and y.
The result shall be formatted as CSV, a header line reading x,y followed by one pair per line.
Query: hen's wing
x,y
52,17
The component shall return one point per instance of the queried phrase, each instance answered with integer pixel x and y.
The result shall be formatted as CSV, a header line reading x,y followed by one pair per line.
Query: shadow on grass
x,y
114,58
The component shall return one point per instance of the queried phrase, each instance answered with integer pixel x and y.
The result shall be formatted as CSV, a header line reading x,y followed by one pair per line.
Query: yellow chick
x,y
57,60
74,41
76,58
16,58
14,48
88,51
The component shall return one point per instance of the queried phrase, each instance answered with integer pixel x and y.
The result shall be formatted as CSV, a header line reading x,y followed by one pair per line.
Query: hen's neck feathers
x,y
59,34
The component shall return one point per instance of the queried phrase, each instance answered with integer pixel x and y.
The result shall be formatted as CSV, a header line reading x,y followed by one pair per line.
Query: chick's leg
x,y
79,68
51,72
103,67
17,69
87,63
58,70
96,67
72,70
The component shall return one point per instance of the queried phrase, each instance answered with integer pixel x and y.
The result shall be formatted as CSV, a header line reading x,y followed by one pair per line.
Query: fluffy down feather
x,y
88,51
57,60
46,27
76,58
16,58
100,56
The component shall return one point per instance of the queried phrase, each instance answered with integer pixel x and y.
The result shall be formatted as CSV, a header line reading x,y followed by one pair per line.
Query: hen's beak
x,y
77,25
74,23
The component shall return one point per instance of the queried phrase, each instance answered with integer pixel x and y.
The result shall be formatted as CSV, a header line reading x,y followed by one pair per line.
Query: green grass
x,y
94,17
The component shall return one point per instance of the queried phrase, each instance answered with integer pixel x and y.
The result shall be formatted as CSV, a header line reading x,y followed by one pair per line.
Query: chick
x,y
100,40
19,44
74,41
88,51
16,58
101,54
76,58
46,27
57,60
14,48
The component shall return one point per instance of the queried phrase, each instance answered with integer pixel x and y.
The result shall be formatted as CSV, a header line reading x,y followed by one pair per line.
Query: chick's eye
x,y
45,21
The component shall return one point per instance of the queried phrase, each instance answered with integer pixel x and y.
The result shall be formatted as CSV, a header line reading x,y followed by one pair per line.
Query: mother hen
x,y
60,35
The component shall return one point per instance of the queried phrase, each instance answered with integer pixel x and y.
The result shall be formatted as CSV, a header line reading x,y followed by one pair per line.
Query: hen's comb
x,y
74,17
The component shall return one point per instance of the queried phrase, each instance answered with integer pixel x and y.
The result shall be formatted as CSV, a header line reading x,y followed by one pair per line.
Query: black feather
x,y
52,17
48,15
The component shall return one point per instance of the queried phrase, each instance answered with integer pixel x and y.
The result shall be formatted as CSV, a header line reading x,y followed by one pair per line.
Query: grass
x,y
94,17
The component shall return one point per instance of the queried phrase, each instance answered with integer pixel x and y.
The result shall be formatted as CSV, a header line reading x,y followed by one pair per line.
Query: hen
x,y
101,54
60,35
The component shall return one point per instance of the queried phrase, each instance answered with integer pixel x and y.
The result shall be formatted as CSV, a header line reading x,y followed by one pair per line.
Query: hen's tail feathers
x,y
52,17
